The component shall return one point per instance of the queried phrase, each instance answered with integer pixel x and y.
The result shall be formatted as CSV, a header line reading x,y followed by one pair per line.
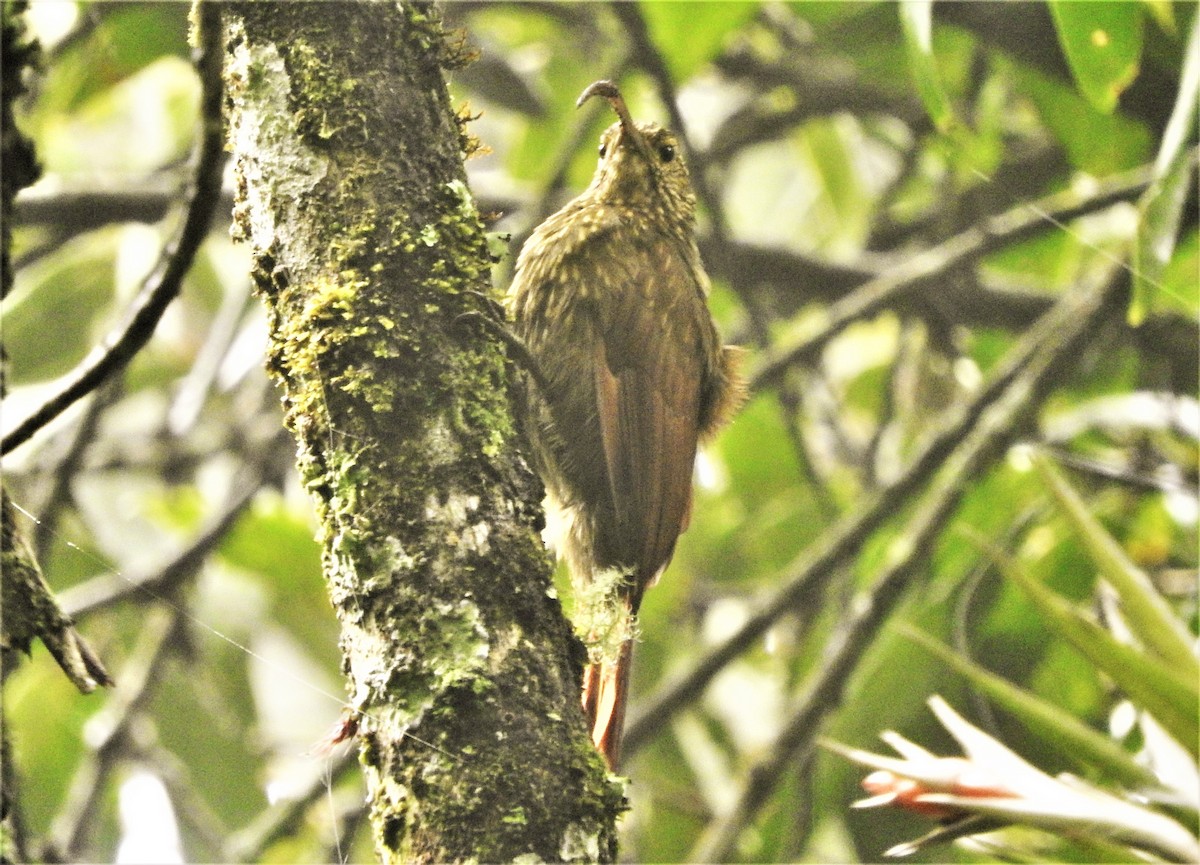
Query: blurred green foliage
x,y
812,124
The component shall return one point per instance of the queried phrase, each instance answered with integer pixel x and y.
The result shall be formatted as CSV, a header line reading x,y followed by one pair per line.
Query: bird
x,y
609,298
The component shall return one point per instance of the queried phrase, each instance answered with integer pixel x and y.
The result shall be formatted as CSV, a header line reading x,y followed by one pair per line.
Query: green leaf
x,y
1071,737
840,217
186,724
1161,207
1103,44
51,317
916,20
1151,684
1179,289
1163,12
1149,616
145,121
1096,142
276,544
50,714
690,34
127,39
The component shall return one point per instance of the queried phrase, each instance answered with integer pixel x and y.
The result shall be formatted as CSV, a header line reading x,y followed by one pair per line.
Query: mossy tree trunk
x,y
368,250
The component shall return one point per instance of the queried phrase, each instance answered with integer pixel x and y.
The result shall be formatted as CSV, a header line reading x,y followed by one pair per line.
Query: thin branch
x,y
161,287
795,279
790,397
1026,170
62,473
68,212
962,617
1137,477
138,681
31,610
75,211
822,85
193,811
194,389
646,55
549,199
817,565
901,366
887,289
108,589
285,816
790,404
1052,349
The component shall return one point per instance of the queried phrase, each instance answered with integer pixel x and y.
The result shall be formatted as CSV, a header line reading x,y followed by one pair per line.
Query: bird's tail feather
x,y
605,691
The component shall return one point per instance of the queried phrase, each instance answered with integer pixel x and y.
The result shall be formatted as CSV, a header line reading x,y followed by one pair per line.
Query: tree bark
x,y
368,251
17,156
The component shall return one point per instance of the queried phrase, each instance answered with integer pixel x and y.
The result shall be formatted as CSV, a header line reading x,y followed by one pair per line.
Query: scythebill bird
x,y
610,299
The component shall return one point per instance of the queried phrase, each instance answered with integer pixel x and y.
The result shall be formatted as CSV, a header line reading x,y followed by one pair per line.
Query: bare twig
x,y
965,601
161,287
63,471
822,86
282,818
192,808
1050,349
1135,477
31,611
813,570
646,55
798,279
1023,174
936,263
548,199
138,681
108,589
790,397
68,212
902,363
77,210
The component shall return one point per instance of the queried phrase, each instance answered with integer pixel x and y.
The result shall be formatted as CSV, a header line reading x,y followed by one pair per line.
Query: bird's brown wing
x,y
650,368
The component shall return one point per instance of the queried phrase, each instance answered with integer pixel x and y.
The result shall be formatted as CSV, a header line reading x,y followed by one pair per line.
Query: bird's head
x,y
640,163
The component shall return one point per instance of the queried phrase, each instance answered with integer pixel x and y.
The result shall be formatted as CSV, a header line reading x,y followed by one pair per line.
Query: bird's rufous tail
x,y
605,690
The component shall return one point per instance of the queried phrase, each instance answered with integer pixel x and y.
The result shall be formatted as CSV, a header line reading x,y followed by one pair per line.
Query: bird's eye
x,y
666,152
603,150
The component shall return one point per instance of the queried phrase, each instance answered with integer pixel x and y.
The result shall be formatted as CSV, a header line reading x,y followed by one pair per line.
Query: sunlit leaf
x,y
1075,740
51,319
1095,142
136,126
127,38
1162,204
1103,44
689,34
276,544
1170,696
50,713
916,18
1151,619
1163,12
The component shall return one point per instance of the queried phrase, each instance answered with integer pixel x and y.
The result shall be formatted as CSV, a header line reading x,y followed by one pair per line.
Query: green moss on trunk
x,y
368,251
